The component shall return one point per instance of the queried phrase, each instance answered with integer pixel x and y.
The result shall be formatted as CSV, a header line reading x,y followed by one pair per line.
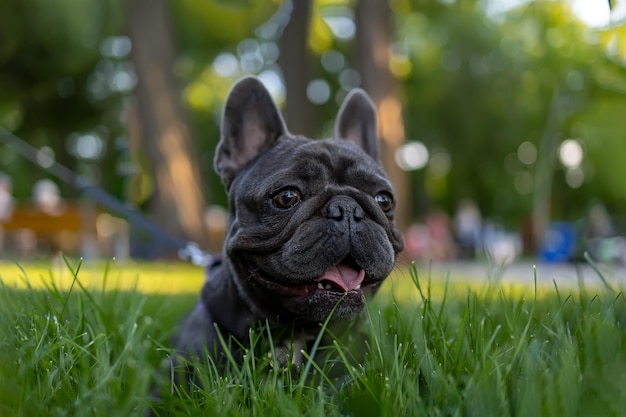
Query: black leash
x,y
186,250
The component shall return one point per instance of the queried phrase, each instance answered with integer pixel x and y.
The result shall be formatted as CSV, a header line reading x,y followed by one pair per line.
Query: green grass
x,y
87,342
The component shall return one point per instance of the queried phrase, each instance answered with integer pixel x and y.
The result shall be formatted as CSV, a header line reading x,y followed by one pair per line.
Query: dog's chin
x,y
315,301
317,307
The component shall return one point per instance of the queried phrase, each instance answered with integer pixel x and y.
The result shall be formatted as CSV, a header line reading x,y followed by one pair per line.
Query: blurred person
x,y
501,246
25,241
603,241
417,241
441,243
7,204
111,236
47,197
467,228
431,240
600,223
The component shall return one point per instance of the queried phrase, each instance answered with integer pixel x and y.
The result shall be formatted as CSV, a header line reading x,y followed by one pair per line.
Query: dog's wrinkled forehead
x,y
298,160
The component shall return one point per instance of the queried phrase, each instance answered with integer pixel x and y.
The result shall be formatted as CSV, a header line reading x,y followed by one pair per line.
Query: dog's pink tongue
x,y
344,277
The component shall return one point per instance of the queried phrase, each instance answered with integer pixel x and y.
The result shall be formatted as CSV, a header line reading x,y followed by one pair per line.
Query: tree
x,y
50,60
177,202
373,43
297,68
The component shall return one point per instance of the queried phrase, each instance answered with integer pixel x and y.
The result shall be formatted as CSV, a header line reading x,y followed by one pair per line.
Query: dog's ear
x,y
356,122
251,124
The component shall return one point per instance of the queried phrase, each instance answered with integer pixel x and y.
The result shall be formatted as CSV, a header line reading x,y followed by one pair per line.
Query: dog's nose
x,y
343,208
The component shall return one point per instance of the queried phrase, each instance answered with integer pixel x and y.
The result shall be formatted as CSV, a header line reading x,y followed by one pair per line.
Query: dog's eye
x,y
286,198
385,201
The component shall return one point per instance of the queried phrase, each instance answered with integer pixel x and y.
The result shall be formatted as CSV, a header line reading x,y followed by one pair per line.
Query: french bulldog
x,y
311,223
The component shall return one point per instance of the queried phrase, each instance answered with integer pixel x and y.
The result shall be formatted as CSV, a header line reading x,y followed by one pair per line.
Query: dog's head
x,y
311,222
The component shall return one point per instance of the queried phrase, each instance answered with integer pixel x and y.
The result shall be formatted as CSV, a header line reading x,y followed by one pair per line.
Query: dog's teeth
x,y
358,287
320,285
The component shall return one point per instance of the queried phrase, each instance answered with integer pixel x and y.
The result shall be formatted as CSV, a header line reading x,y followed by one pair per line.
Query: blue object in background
x,y
558,242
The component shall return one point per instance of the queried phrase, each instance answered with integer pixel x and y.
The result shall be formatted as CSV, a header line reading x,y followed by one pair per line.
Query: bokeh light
x,y
342,27
349,79
574,177
226,64
116,47
274,84
318,91
527,153
333,61
89,146
412,156
45,157
440,163
571,153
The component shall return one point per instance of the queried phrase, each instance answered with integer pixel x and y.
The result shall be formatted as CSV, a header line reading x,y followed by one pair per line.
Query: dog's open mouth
x,y
345,277
342,277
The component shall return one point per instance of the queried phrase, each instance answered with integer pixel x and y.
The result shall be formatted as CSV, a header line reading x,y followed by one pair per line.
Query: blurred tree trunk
x,y
295,60
177,204
544,174
373,43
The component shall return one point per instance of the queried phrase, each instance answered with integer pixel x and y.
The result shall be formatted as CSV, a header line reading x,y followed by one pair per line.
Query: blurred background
x,y
502,121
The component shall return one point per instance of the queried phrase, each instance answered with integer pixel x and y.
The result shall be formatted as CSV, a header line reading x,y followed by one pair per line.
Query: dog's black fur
x,y
311,223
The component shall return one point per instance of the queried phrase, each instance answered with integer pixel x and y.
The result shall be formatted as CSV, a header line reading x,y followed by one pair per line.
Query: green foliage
x,y
474,87
480,87
606,145
205,28
50,60
484,351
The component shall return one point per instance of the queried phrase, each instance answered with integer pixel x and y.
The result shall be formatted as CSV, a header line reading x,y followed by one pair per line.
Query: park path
x,y
522,272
